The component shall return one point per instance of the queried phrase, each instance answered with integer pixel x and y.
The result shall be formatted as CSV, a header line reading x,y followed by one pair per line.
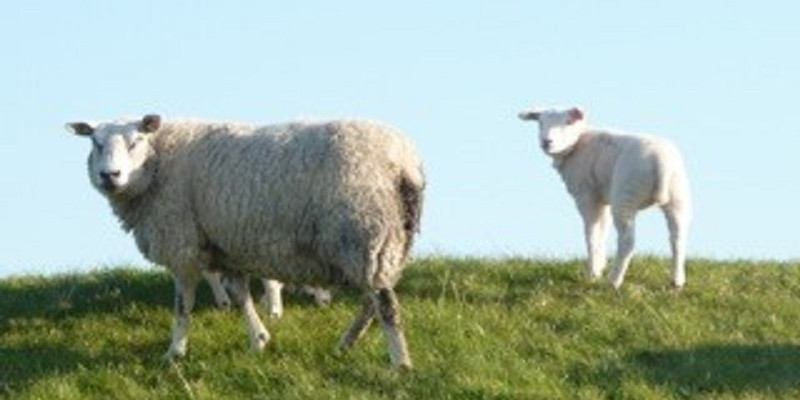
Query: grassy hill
x,y
477,329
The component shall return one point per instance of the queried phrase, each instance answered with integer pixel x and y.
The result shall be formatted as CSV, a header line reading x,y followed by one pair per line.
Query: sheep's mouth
x,y
110,187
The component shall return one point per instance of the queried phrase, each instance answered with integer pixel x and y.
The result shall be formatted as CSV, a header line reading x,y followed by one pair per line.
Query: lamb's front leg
x,y
238,286
214,280
185,287
625,223
595,226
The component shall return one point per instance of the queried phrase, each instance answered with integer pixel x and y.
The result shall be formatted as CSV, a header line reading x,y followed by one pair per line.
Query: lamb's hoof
x,y
174,354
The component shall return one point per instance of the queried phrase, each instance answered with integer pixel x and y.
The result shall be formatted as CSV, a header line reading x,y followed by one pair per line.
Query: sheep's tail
x,y
411,190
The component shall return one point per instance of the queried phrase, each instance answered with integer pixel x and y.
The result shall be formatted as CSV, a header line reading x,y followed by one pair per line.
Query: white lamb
x,y
272,297
318,203
626,173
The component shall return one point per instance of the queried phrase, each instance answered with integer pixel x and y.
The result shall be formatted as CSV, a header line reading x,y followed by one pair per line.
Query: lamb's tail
x,y
662,194
411,190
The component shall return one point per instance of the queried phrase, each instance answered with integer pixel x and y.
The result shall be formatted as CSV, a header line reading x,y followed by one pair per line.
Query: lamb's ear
x,y
79,128
529,115
574,114
150,123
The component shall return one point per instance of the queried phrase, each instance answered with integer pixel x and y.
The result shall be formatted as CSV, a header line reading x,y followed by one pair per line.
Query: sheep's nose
x,y
109,175
546,144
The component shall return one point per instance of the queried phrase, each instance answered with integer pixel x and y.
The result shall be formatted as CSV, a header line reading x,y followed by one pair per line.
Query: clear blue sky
x,y
720,78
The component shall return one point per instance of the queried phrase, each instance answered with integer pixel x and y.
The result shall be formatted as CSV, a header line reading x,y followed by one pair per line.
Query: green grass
x,y
477,329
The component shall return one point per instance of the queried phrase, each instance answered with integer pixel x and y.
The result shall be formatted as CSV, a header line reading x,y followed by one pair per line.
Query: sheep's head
x,y
120,151
559,130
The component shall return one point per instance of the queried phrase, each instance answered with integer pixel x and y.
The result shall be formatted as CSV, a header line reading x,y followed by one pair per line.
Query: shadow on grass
x,y
723,369
98,292
477,281
26,364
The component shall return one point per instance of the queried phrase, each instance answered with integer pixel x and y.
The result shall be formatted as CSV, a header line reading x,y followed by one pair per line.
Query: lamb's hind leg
x,y
678,224
273,299
239,288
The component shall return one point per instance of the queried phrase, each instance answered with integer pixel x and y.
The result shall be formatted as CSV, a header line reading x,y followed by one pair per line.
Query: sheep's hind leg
x,y
185,287
239,288
359,325
389,311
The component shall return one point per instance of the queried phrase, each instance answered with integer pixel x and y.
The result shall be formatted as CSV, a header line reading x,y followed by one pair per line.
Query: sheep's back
x,y
293,194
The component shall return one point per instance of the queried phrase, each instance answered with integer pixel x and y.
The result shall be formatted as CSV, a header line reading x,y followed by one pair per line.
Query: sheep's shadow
x,y
76,295
725,368
477,281
24,364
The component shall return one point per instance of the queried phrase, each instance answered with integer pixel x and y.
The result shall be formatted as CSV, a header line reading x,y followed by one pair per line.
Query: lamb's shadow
x,y
687,373
723,368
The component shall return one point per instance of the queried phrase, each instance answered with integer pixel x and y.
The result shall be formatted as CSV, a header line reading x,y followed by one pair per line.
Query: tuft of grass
x,y
510,328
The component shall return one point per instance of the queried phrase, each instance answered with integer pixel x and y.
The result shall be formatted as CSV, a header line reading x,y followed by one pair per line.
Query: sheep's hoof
x,y
260,342
403,366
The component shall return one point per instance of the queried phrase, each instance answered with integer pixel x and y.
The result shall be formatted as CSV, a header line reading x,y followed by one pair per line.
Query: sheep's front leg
x,y
185,287
238,286
625,223
595,227
678,224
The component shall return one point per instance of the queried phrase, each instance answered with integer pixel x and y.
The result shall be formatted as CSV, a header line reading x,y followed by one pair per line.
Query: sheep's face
x,y
559,130
120,151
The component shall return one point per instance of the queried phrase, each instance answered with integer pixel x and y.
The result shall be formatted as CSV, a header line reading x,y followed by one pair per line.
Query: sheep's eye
x,y
97,146
134,143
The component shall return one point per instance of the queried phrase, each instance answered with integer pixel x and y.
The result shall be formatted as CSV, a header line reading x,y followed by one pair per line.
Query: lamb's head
x,y
559,129
118,162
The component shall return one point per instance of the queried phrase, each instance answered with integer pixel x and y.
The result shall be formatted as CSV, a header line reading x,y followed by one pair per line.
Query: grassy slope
x,y
477,329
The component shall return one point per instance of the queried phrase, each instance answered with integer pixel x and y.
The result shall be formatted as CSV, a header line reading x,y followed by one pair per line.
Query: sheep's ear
x,y
150,123
79,128
574,114
529,115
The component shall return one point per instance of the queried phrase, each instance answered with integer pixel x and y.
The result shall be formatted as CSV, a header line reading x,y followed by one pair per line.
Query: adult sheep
x,y
327,203
625,173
